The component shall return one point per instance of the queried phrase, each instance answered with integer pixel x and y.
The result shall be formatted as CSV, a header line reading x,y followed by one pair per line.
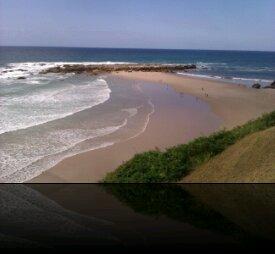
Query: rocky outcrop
x,y
256,85
104,68
272,85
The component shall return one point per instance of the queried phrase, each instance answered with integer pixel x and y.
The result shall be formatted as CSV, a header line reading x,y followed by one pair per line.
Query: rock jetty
x,y
96,69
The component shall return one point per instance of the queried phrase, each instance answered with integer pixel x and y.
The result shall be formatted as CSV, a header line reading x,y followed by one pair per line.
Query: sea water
x,y
244,67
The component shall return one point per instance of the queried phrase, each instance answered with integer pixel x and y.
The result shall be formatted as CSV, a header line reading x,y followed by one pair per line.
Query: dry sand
x,y
168,126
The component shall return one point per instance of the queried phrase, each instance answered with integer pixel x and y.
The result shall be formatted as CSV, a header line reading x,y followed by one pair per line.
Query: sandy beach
x,y
235,104
225,106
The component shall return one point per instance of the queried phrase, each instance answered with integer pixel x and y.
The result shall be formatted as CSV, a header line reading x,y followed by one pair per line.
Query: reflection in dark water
x,y
231,210
127,215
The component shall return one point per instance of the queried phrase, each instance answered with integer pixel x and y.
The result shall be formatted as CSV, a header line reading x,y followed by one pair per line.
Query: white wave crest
x,y
40,106
13,71
31,159
199,75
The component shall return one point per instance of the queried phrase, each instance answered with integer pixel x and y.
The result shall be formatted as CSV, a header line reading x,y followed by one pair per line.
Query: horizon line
x,y
96,47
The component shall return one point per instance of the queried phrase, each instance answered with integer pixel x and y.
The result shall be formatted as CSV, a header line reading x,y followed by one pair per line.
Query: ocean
x,y
241,66
46,118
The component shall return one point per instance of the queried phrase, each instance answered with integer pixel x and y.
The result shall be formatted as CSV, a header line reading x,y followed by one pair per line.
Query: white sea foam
x,y
32,142
27,69
226,66
27,160
199,75
253,79
38,106
245,81
131,111
209,65
23,161
147,120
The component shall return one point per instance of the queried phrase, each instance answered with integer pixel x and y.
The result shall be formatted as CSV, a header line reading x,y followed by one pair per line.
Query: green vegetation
x,y
176,162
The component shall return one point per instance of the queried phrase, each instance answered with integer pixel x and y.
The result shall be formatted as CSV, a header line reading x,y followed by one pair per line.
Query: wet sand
x,y
235,104
198,107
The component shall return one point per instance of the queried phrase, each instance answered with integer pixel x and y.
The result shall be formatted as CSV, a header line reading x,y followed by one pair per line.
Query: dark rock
x,y
21,78
99,69
256,85
272,85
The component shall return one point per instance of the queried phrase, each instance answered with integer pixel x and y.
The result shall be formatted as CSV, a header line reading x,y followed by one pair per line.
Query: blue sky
x,y
196,24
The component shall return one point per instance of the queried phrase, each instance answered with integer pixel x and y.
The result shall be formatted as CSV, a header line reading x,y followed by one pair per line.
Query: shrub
x,y
176,162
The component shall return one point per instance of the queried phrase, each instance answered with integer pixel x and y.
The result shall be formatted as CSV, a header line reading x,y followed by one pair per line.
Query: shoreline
x,y
222,98
235,104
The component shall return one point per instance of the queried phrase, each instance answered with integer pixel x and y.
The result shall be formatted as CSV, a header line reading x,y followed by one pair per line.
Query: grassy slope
x,y
251,159
177,162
